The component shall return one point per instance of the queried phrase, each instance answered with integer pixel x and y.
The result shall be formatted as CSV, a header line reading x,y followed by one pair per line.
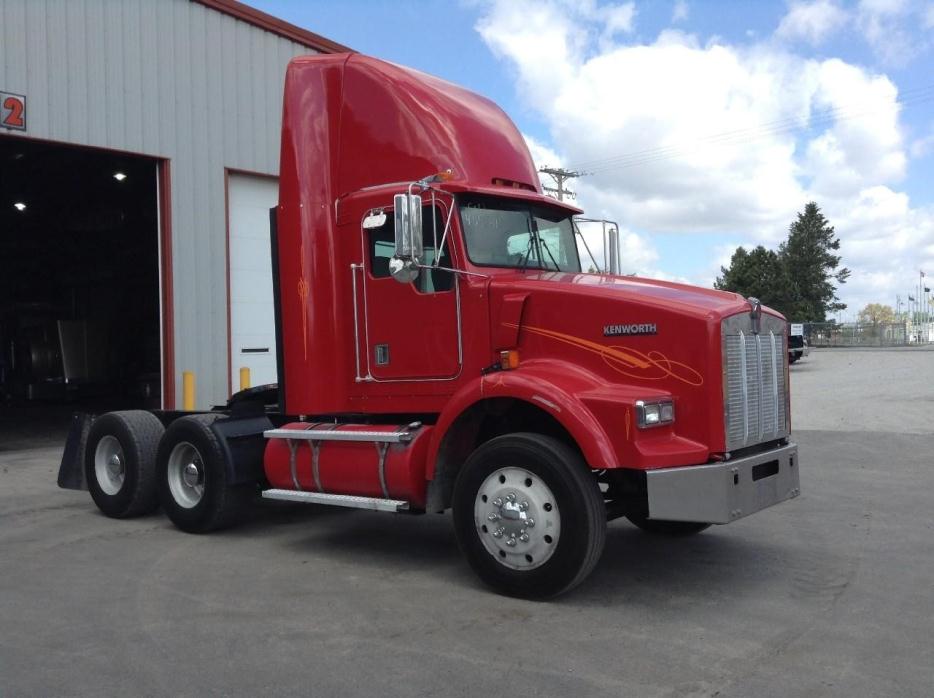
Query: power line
x,y
776,127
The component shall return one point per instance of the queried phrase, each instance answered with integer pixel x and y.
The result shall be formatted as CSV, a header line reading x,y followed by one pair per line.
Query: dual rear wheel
x,y
133,464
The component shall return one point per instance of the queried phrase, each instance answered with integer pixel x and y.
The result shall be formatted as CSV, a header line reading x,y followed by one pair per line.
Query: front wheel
x,y
529,515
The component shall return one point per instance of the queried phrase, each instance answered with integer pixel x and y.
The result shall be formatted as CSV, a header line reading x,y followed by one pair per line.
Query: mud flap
x,y
71,471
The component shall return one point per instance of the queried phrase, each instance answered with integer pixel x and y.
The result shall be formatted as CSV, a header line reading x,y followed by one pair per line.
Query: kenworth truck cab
x,y
439,348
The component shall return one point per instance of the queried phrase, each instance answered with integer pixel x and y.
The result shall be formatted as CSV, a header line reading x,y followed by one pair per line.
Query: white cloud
x,y
864,143
618,18
887,26
680,11
543,156
811,21
924,146
731,139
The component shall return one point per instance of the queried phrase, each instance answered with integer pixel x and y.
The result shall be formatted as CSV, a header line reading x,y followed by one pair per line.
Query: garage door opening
x,y
79,277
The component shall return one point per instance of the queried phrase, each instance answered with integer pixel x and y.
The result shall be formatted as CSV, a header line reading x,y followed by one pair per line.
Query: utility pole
x,y
560,175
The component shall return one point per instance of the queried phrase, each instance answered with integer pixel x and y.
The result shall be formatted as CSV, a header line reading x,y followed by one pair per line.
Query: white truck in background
x,y
797,344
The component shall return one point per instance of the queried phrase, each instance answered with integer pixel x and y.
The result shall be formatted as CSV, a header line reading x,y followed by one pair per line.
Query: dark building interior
x,y
79,278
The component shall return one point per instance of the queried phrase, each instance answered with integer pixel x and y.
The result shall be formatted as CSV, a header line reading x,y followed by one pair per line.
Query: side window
x,y
382,247
434,280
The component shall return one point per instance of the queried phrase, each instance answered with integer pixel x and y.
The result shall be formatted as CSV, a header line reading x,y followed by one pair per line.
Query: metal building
x,y
139,143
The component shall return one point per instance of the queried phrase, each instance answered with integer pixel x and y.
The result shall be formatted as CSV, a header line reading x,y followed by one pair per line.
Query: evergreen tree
x,y
798,280
756,273
811,267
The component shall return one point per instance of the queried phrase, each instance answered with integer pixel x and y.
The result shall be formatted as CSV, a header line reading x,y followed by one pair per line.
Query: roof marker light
x,y
19,206
119,176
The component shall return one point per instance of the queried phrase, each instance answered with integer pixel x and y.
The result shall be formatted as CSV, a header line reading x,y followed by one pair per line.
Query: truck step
x,y
338,500
402,435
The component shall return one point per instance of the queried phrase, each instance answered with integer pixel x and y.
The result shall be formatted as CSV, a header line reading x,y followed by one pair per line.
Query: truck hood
x,y
632,337
630,292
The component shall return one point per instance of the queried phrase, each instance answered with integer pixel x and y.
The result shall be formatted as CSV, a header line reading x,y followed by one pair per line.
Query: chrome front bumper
x,y
723,492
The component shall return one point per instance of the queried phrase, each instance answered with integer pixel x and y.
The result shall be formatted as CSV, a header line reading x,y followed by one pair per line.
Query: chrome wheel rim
x,y
517,518
186,475
109,465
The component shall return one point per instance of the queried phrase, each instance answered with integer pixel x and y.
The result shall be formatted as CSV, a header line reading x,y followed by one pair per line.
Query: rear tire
x,y
119,462
529,515
672,529
192,477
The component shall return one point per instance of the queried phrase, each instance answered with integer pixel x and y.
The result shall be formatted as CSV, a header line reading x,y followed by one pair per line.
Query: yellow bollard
x,y
188,391
244,377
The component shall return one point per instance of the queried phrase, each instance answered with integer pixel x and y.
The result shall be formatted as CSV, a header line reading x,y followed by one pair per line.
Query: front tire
x,y
529,515
192,477
119,462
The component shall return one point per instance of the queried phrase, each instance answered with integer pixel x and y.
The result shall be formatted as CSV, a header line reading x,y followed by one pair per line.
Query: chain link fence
x,y
859,334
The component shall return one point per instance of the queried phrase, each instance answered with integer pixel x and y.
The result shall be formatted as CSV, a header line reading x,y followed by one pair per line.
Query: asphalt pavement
x,y
826,595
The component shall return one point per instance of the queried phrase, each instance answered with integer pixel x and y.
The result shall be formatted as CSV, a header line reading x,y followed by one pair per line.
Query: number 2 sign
x,y
12,111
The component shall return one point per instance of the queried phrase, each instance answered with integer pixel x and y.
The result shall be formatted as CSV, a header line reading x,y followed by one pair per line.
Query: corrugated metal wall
x,y
171,79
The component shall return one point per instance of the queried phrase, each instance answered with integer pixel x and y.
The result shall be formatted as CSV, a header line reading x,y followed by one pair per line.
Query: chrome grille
x,y
754,381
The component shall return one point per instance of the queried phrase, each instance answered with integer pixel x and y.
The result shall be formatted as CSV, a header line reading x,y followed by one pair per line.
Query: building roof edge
x,y
277,26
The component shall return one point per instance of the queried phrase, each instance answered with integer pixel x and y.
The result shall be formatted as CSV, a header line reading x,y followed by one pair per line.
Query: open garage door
x,y
79,277
252,316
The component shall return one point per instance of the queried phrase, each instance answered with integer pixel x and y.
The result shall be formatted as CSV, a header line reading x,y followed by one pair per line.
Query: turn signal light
x,y
509,359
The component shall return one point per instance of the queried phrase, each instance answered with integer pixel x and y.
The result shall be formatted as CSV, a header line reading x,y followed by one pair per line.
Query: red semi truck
x,y
439,348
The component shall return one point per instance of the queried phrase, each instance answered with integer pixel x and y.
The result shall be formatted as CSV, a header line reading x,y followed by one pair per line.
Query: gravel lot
x,y
827,595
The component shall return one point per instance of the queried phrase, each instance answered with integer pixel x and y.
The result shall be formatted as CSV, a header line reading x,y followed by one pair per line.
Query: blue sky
x,y
724,118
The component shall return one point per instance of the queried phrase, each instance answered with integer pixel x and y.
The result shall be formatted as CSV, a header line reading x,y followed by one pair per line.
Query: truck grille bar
x,y
754,382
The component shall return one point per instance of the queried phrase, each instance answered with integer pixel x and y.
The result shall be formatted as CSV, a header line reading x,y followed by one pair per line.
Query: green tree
x,y
755,273
811,267
799,280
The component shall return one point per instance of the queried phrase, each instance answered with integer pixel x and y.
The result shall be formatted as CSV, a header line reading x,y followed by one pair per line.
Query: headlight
x,y
655,413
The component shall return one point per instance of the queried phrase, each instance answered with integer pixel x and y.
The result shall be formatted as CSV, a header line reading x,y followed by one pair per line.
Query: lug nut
x,y
498,502
523,506
511,497
511,541
524,537
530,523
493,516
498,533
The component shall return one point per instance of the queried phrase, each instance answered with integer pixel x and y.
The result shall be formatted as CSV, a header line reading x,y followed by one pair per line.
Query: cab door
x,y
411,332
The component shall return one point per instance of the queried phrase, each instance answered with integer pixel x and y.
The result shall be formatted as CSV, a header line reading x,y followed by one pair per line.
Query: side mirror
x,y
409,248
408,213
612,252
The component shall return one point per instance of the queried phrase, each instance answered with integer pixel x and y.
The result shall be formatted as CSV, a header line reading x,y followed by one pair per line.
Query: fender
x,y
551,385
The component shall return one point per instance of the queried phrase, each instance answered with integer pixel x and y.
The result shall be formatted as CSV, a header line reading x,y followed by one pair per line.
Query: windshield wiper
x,y
533,238
545,245
528,252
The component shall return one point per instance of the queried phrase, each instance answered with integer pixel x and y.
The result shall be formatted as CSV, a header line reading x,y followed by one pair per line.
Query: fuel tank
x,y
364,467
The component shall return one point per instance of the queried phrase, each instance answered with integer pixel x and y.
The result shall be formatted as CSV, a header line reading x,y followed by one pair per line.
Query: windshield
x,y
503,233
